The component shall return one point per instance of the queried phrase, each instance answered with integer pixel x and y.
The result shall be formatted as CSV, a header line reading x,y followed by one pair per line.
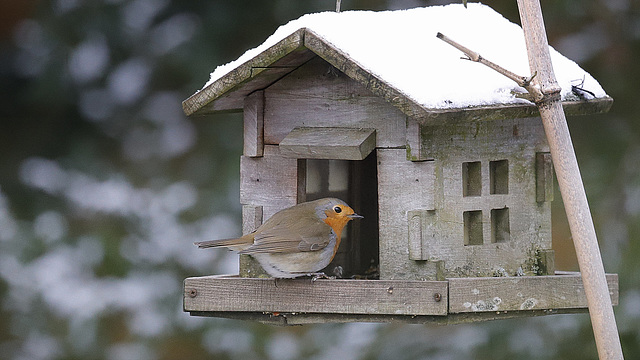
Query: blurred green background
x,y
105,184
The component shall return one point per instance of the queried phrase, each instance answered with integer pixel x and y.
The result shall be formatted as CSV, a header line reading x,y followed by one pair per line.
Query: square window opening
x,y
500,231
473,227
499,177
471,178
355,182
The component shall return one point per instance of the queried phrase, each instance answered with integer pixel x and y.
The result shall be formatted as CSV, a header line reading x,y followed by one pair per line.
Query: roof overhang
x,y
228,92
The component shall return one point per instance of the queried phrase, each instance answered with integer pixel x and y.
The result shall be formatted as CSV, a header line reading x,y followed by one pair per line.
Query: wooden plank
x,y
414,142
415,189
371,82
486,151
319,95
421,232
427,116
328,143
544,177
546,262
272,181
284,319
521,293
219,293
229,91
254,124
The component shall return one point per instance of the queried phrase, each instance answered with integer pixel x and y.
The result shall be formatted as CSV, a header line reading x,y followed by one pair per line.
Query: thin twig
x,y
471,55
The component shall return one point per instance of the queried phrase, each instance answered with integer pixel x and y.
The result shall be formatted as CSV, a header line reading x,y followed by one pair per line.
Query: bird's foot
x,y
319,275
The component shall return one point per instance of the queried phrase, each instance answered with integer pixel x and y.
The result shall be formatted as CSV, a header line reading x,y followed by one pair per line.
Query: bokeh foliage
x,y
104,184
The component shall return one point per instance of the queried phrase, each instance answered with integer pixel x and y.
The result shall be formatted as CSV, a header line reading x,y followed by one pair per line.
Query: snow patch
x,y
401,48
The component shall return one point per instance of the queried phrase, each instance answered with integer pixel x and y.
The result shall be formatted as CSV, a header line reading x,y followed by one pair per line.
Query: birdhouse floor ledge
x,y
455,300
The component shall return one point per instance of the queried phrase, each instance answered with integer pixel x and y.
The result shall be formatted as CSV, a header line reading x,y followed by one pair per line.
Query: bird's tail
x,y
234,244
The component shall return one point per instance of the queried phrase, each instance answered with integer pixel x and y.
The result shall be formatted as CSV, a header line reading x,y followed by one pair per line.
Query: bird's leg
x,y
319,275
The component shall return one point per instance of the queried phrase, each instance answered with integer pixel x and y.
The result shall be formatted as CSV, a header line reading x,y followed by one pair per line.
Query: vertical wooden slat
x,y
271,181
254,124
421,232
546,262
544,177
414,142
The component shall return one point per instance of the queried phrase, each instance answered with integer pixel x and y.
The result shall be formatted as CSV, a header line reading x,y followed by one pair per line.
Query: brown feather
x,y
245,240
291,230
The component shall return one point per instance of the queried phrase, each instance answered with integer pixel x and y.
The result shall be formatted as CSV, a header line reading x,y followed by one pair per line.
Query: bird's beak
x,y
355,216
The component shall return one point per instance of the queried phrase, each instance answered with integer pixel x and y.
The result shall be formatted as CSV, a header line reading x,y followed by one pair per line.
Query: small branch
x,y
471,55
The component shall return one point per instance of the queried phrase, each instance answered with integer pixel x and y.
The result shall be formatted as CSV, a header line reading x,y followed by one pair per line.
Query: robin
x,y
297,241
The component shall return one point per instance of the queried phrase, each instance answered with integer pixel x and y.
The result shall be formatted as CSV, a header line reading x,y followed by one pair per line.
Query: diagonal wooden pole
x,y
570,183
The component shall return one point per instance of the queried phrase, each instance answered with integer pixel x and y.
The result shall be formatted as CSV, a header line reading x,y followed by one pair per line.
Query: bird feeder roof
x,y
396,55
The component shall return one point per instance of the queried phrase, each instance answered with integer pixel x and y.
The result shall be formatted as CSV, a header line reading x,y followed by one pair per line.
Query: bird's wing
x,y
291,234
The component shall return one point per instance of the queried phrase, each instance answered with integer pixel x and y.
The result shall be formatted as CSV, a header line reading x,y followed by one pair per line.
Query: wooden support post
x,y
570,183
254,124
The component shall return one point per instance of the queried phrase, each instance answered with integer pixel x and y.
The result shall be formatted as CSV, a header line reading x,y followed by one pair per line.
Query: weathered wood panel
x,y
228,92
284,319
544,177
403,186
425,115
254,124
414,141
328,143
488,221
421,231
302,301
271,181
372,82
521,293
318,95
215,293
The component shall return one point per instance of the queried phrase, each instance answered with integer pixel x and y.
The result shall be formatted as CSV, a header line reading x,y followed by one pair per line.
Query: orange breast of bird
x,y
336,224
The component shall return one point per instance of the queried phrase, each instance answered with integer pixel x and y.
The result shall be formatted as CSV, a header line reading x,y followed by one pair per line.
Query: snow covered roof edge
x,y
419,74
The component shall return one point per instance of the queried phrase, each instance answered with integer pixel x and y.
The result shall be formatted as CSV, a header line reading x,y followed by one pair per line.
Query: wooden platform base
x,y
455,300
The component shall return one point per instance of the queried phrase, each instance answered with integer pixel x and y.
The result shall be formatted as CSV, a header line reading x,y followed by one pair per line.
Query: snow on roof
x,y
401,48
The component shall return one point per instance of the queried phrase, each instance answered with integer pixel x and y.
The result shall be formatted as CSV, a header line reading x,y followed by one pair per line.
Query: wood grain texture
x,y
414,142
319,95
228,92
302,301
284,319
328,143
422,231
544,177
253,115
501,148
219,293
521,293
403,186
272,181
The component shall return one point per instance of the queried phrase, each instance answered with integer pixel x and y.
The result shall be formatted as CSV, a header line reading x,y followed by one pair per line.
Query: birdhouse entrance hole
x,y
354,181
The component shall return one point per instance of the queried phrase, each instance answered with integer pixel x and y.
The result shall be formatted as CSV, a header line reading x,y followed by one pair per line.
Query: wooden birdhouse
x,y
447,161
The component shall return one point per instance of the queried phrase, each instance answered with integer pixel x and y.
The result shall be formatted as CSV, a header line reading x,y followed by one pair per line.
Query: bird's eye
x,y
337,209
